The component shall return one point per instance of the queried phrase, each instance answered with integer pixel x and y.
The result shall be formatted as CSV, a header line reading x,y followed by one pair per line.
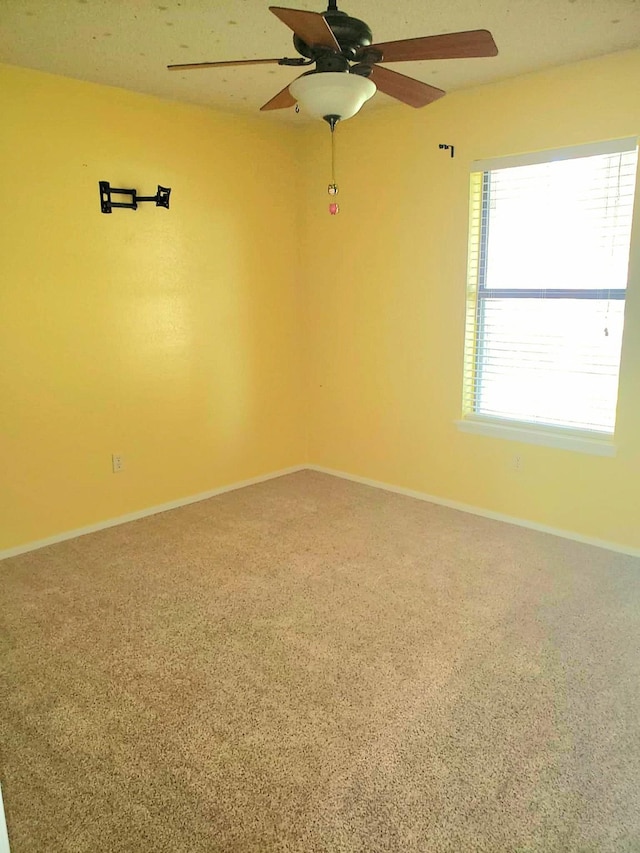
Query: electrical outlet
x,y
117,463
517,462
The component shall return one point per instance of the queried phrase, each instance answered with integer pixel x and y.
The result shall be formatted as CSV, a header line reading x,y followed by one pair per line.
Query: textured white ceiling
x,y
128,43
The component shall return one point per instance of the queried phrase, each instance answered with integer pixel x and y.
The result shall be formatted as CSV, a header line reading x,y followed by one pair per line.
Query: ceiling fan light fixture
x,y
328,93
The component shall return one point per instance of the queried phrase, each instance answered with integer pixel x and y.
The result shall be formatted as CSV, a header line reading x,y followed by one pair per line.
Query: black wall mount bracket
x,y
450,148
107,204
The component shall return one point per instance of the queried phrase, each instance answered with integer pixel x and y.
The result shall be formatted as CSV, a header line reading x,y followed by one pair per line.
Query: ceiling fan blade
x,y
223,64
405,89
281,101
311,27
448,46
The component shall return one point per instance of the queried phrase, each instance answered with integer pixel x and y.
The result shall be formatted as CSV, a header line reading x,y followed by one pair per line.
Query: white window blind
x,y
548,266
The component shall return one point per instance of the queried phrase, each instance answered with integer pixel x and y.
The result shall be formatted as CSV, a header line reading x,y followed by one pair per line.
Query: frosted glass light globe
x,y
329,93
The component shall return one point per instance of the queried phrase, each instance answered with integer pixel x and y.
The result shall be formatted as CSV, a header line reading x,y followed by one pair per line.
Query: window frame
x,y
584,440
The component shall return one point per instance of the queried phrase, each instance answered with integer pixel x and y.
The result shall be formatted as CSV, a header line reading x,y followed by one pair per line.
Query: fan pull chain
x,y
332,189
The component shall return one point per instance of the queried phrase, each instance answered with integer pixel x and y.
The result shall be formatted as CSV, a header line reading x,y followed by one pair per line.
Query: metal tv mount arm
x,y
161,198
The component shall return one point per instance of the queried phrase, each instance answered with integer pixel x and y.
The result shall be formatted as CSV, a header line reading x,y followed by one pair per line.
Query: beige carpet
x,y
316,666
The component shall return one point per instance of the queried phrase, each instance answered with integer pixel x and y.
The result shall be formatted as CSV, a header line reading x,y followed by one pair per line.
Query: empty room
x,y
319,427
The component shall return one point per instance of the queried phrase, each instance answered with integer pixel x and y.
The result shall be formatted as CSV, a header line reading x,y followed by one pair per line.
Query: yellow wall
x,y
208,343
167,336
385,314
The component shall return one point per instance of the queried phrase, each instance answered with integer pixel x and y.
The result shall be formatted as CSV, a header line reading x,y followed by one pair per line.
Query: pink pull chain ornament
x,y
333,206
332,189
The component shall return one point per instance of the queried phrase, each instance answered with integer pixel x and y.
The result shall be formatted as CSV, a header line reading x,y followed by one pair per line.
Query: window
x,y
548,266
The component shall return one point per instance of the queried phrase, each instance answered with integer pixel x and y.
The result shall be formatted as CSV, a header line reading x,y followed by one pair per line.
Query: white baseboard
x,y
422,496
485,513
143,513
4,835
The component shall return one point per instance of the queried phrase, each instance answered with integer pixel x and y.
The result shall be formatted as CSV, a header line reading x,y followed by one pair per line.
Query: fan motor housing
x,y
351,34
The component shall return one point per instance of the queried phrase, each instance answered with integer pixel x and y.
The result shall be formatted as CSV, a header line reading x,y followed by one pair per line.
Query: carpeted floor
x,y
314,666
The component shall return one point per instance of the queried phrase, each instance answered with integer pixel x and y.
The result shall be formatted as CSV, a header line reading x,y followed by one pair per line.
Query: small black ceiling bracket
x,y
450,148
107,204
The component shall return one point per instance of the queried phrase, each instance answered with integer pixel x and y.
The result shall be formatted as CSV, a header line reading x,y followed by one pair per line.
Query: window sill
x,y
597,444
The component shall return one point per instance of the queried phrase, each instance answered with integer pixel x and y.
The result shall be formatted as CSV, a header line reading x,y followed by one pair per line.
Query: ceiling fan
x,y
348,67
